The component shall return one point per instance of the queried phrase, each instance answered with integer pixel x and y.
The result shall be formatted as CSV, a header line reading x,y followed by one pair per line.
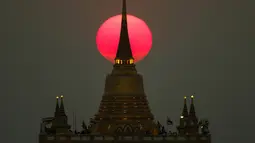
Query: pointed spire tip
x,y
124,10
124,53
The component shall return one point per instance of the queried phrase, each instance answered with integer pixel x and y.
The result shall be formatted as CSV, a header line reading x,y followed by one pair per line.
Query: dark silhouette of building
x,y
124,114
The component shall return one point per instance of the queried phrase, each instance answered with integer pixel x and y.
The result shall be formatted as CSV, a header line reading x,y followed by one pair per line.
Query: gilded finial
x,y
124,10
192,96
57,97
62,96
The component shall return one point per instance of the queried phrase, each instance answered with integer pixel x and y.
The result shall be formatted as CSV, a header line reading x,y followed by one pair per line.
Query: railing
x,y
126,138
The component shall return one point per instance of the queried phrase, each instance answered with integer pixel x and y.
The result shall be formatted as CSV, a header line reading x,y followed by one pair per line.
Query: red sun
x,y
108,34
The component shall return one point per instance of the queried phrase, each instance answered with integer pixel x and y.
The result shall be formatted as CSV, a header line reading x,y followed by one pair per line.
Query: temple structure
x,y
124,114
124,101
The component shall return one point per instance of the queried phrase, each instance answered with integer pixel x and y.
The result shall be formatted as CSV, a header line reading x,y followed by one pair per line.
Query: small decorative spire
x,y
192,111
62,108
57,107
185,109
193,121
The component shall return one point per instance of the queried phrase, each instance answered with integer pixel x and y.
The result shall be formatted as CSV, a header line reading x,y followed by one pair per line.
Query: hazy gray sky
x,y
202,46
